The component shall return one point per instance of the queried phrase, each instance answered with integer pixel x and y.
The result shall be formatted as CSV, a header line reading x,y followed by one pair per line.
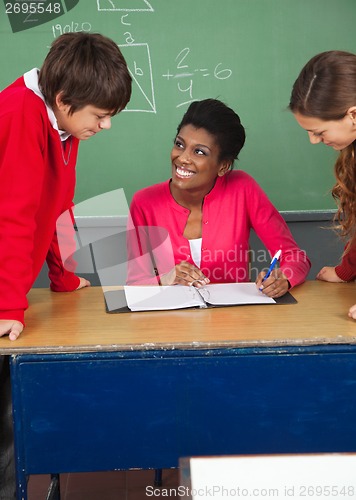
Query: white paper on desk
x,y
156,298
225,294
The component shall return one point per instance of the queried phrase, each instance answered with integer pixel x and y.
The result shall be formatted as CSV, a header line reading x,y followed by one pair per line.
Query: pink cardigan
x,y
234,206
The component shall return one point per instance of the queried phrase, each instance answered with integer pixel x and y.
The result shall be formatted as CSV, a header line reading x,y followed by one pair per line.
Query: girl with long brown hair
x,y
323,102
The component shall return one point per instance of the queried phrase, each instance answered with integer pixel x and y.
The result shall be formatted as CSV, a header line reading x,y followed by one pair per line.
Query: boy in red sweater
x,y
83,82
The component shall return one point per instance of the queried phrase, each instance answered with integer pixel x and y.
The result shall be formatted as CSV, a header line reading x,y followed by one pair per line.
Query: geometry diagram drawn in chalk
x,y
125,5
137,56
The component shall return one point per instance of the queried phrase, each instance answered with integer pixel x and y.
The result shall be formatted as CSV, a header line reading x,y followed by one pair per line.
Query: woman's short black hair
x,y
221,122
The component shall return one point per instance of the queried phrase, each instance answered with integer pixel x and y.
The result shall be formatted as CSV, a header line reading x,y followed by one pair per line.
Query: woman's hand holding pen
x,y
275,285
184,273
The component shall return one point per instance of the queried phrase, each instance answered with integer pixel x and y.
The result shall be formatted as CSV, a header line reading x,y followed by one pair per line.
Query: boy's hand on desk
x,y
275,285
184,274
83,283
12,328
328,273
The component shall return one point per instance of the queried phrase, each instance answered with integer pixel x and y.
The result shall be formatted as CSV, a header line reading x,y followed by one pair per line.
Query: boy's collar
x,y
31,82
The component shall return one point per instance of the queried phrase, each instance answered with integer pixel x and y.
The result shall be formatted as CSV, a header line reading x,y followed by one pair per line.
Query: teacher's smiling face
x,y
337,134
195,161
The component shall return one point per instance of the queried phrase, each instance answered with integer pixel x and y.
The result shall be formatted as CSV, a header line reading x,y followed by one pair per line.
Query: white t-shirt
x,y
195,250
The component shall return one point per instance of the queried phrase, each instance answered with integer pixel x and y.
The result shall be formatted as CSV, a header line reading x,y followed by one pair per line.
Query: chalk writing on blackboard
x,y
125,5
72,27
138,58
24,14
184,72
125,23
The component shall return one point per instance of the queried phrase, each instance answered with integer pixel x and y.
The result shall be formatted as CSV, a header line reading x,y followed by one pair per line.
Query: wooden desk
x,y
95,391
77,322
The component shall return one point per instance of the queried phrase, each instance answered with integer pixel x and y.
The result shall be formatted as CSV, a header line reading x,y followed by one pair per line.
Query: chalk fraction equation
x,y
187,75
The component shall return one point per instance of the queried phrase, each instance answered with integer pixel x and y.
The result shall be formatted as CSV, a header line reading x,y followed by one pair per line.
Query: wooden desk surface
x,y
77,322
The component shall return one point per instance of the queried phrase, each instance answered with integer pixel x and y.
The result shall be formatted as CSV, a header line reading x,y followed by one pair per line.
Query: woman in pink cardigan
x,y
194,228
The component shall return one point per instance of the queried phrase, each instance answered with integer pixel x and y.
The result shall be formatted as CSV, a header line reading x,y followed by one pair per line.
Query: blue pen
x,y
271,267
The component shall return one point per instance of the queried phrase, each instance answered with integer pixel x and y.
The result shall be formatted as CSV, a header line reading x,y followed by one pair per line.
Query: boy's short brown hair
x,y
86,68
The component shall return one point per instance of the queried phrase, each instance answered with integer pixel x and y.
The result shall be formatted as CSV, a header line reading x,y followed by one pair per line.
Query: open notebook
x,y
161,298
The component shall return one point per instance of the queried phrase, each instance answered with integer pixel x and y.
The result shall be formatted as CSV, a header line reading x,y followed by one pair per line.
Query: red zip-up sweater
x,y
346,270
36,186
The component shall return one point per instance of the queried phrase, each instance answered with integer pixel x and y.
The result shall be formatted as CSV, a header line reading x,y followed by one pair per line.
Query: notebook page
x,y
234,293
156,298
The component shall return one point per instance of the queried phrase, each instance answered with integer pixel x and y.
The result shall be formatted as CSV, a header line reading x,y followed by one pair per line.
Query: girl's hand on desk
x,y
275,285
328,273
83,283
352,312
12,328
184,274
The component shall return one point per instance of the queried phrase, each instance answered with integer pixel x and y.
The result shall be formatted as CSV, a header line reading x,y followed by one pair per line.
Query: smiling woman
x,y
323,101
185,229
337,134
195,167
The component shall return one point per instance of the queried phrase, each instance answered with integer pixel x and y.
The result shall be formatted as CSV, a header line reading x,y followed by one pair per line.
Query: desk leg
x,y
21,476
158,477
54,489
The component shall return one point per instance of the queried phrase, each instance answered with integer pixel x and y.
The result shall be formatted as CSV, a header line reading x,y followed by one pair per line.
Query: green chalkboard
x,y
244,52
